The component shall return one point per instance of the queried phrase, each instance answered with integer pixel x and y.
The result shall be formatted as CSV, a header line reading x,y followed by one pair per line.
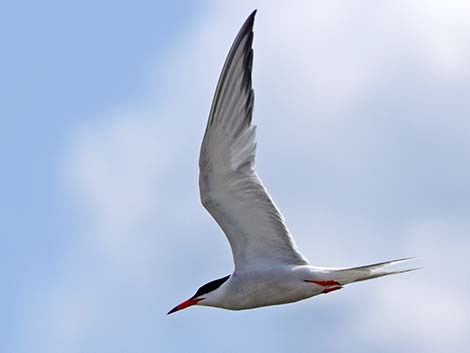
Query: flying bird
x,y
269,270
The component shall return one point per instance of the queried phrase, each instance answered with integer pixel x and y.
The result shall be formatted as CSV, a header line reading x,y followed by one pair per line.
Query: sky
x,y
363,142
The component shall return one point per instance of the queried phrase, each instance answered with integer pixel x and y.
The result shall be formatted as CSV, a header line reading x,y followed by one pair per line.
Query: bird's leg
x,y
328,290
330,284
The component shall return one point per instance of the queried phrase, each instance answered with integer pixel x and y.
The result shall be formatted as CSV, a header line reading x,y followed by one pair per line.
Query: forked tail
x,y
362,273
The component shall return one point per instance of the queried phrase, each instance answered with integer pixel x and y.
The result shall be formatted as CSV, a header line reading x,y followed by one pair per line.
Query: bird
x,y
269,269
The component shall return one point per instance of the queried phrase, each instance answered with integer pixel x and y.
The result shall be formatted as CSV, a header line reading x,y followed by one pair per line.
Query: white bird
x,y
269,269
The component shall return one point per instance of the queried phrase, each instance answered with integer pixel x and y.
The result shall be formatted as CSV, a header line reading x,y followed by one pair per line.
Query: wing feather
x,y
230,189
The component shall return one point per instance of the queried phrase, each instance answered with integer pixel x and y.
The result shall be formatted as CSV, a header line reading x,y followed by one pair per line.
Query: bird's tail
x,y
362,273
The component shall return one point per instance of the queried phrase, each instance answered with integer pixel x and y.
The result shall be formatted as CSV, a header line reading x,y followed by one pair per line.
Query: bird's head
x,y
204,293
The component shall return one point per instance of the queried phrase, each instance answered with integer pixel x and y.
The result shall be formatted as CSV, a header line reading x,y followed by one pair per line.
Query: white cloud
x,y
324,74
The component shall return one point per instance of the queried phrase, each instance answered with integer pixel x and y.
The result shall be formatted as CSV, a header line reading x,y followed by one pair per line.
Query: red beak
x,y
184,305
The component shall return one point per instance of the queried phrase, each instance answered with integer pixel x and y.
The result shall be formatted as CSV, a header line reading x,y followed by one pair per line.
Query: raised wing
x,y
230,189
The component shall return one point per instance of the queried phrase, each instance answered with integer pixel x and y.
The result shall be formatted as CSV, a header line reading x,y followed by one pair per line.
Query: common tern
x,y
269,270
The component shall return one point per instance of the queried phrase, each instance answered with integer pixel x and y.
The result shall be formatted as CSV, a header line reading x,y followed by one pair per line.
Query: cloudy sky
x,y
363,121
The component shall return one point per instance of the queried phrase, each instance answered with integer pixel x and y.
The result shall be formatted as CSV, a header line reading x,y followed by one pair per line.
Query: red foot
x,y
328,283
324,283
328,290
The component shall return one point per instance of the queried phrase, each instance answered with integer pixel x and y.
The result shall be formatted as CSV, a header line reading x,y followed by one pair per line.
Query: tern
x,y
269,270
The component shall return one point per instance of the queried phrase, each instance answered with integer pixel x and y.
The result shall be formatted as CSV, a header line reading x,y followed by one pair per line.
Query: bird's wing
x,y
230,189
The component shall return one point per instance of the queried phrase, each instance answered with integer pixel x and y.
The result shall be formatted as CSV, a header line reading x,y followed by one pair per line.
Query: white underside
x,y
287,284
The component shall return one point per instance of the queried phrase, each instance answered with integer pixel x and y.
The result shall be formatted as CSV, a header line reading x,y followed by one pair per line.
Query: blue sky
x,y
364,107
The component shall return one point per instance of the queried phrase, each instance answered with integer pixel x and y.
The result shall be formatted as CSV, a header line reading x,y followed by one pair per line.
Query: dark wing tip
x,y
249,21
242,44
246,28
253,14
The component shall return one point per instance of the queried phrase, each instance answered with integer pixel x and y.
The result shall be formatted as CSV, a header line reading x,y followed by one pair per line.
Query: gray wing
x,y
230,189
